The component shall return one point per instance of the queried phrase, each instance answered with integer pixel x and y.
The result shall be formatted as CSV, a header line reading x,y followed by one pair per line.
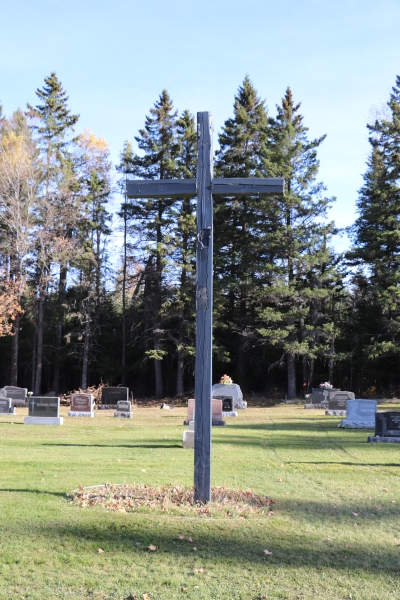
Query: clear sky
x,y
340,57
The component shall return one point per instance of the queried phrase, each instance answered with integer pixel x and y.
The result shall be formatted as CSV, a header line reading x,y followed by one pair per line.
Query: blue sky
x,y
114,57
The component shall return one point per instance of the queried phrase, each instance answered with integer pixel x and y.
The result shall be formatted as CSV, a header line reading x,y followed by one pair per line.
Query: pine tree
x,y
376,238
152,218
297,238
53,122
240,227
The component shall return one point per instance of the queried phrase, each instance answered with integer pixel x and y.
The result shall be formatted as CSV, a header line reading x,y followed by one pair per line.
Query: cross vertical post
x,y
204,309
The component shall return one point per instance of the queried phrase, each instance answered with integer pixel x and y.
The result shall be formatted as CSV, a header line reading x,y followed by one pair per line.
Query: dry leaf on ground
x,y
267,553
355,514
152,548
181,537
189,540
183,589
100,551
137,544
143,470
145,597
194,549
201,570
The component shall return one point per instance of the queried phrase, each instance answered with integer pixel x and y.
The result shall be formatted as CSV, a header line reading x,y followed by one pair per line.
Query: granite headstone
x,y
360,414
81,405
44,410
216,410
6,406
111,395
233,391
387,427
124,409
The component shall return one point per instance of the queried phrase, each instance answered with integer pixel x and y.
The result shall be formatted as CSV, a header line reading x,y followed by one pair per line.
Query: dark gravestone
x,y
5,406
227,402
41,406
322,396
111,395
387,424
338,400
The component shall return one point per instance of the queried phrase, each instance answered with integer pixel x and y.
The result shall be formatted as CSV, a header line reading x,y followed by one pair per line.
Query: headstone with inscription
x,y
44,410
337,404
387,427
360,414
124,409
17,394
227,406
322,395
110,396
82,405
216,412
230,391
6,407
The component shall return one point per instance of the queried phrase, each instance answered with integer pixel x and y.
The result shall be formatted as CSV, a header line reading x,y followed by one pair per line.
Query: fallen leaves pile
x,y
174,499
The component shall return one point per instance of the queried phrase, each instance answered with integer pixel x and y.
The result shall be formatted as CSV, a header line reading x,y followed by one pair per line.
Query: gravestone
x,y
6,407
17,394
44,410
216,412
227,406
321,395
124,409
387,427
82,405
233,390
360,414
188,437
110,396
337,404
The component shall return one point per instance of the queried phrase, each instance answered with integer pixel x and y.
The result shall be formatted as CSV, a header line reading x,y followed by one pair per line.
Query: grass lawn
x,y
335,532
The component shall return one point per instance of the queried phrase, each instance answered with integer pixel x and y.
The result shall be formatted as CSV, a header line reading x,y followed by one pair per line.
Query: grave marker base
x,y
213,423
317,406
335,413
43,420
75,413
230,413
123,414
376,439
352,424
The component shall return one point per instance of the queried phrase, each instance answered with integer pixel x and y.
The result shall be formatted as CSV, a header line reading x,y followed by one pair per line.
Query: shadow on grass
x,y
32,491
132,446
239,543
341,463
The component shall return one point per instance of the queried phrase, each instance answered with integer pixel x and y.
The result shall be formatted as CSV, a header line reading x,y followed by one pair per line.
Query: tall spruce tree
x,y
376,239
152,218
53,123
297,238
240,228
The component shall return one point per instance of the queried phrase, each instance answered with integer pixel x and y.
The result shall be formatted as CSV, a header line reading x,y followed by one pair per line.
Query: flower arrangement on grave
x,y
226,380
326,385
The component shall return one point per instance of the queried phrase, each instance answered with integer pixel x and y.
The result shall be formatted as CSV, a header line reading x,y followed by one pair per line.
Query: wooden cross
x,y
204,187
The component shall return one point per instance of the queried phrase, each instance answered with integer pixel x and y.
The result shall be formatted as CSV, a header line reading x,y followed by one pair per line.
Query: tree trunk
x,y
14,353
62,292
179,372
86,348
159,378
305,378
311,376
331,361
39,345
291,376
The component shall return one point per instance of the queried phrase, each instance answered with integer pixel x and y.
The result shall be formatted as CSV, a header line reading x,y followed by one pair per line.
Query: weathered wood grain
x,y
248,186
204,307
168,188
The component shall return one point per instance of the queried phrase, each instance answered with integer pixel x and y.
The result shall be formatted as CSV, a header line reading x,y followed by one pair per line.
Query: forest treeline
x,y
289,311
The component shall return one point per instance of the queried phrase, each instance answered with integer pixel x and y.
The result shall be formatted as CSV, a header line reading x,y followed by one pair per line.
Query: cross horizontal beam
x,y
179,188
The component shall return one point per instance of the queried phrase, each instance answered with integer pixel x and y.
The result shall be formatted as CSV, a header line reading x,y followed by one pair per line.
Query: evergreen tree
x,y
240,227
53,122
376,238
152,218
297,237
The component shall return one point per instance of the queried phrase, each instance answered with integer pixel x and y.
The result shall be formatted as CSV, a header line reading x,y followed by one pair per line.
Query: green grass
x,y
317,474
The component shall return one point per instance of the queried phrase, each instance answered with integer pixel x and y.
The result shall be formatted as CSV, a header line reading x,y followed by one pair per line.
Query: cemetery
x,y
199,301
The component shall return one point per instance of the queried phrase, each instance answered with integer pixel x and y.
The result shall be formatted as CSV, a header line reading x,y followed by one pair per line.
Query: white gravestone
x,y
218,389
360,414
188,437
